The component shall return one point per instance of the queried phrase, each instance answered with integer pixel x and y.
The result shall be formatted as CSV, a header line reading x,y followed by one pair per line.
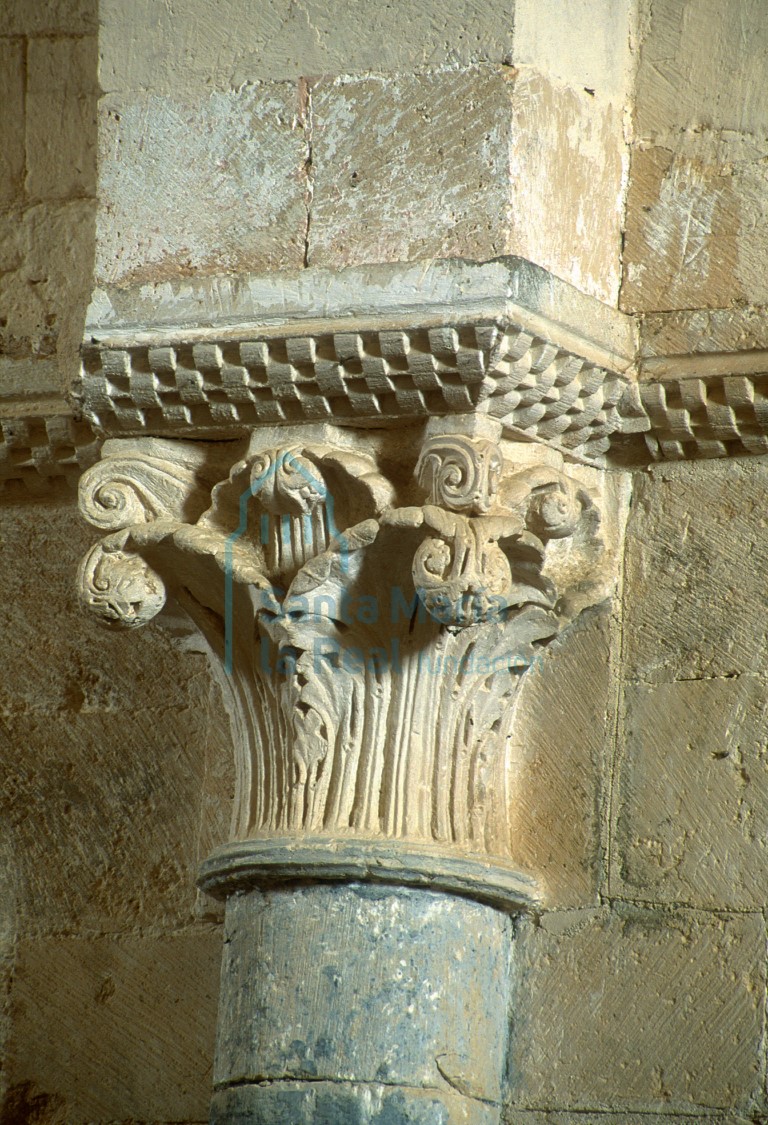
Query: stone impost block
x,y
411,167
471,163
280,41
640,1011
566,183
203,186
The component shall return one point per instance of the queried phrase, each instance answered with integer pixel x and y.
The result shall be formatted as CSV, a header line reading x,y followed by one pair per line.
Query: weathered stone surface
x,y
704,332
469,163
46,256
557,763
697,231
639,1011
567,157
211,185
590,50
696,226
284,40
113,1028
686,43
692,794
605,1117
103,807
411,167
62,92
49,17
344,1103
366,984
695,559
12,90
8,932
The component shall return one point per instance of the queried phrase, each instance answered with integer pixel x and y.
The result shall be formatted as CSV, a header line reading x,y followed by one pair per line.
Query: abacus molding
x,y
216,357
361,346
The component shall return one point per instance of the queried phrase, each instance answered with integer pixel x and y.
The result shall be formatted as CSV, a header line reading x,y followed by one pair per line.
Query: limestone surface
x,y
678,997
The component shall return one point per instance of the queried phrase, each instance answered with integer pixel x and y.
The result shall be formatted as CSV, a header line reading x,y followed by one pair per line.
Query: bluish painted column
x,y
361,986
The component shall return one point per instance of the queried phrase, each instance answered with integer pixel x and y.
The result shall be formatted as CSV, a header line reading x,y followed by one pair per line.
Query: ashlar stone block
x,y
411,167
697,231
62,92
467,163
683,44
696,560
102,810
564,720
692,794
545,1117
281,40
640,1011
50,17
12,143
47,253
114,1029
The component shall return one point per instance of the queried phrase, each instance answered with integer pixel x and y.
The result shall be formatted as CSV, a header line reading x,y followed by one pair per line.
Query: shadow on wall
x,y
49,62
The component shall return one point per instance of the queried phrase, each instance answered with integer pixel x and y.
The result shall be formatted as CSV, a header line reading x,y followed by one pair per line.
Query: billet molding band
x,y
674,419
713,416
535,388
38,449
366,345
215,358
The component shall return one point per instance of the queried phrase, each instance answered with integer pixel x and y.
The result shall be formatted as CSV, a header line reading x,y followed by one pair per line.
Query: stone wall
x,y
116,781
339,133
649,996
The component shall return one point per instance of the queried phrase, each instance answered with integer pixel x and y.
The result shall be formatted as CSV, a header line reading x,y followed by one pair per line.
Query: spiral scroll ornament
x,y
554,512
119,586
461,474
463,582
287,483
120,492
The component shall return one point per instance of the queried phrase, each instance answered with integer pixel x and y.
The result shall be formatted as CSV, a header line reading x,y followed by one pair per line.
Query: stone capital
x,y
372,601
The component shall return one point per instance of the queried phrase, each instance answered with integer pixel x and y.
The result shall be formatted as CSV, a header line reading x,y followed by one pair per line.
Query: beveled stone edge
x,y
300,302
271,862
